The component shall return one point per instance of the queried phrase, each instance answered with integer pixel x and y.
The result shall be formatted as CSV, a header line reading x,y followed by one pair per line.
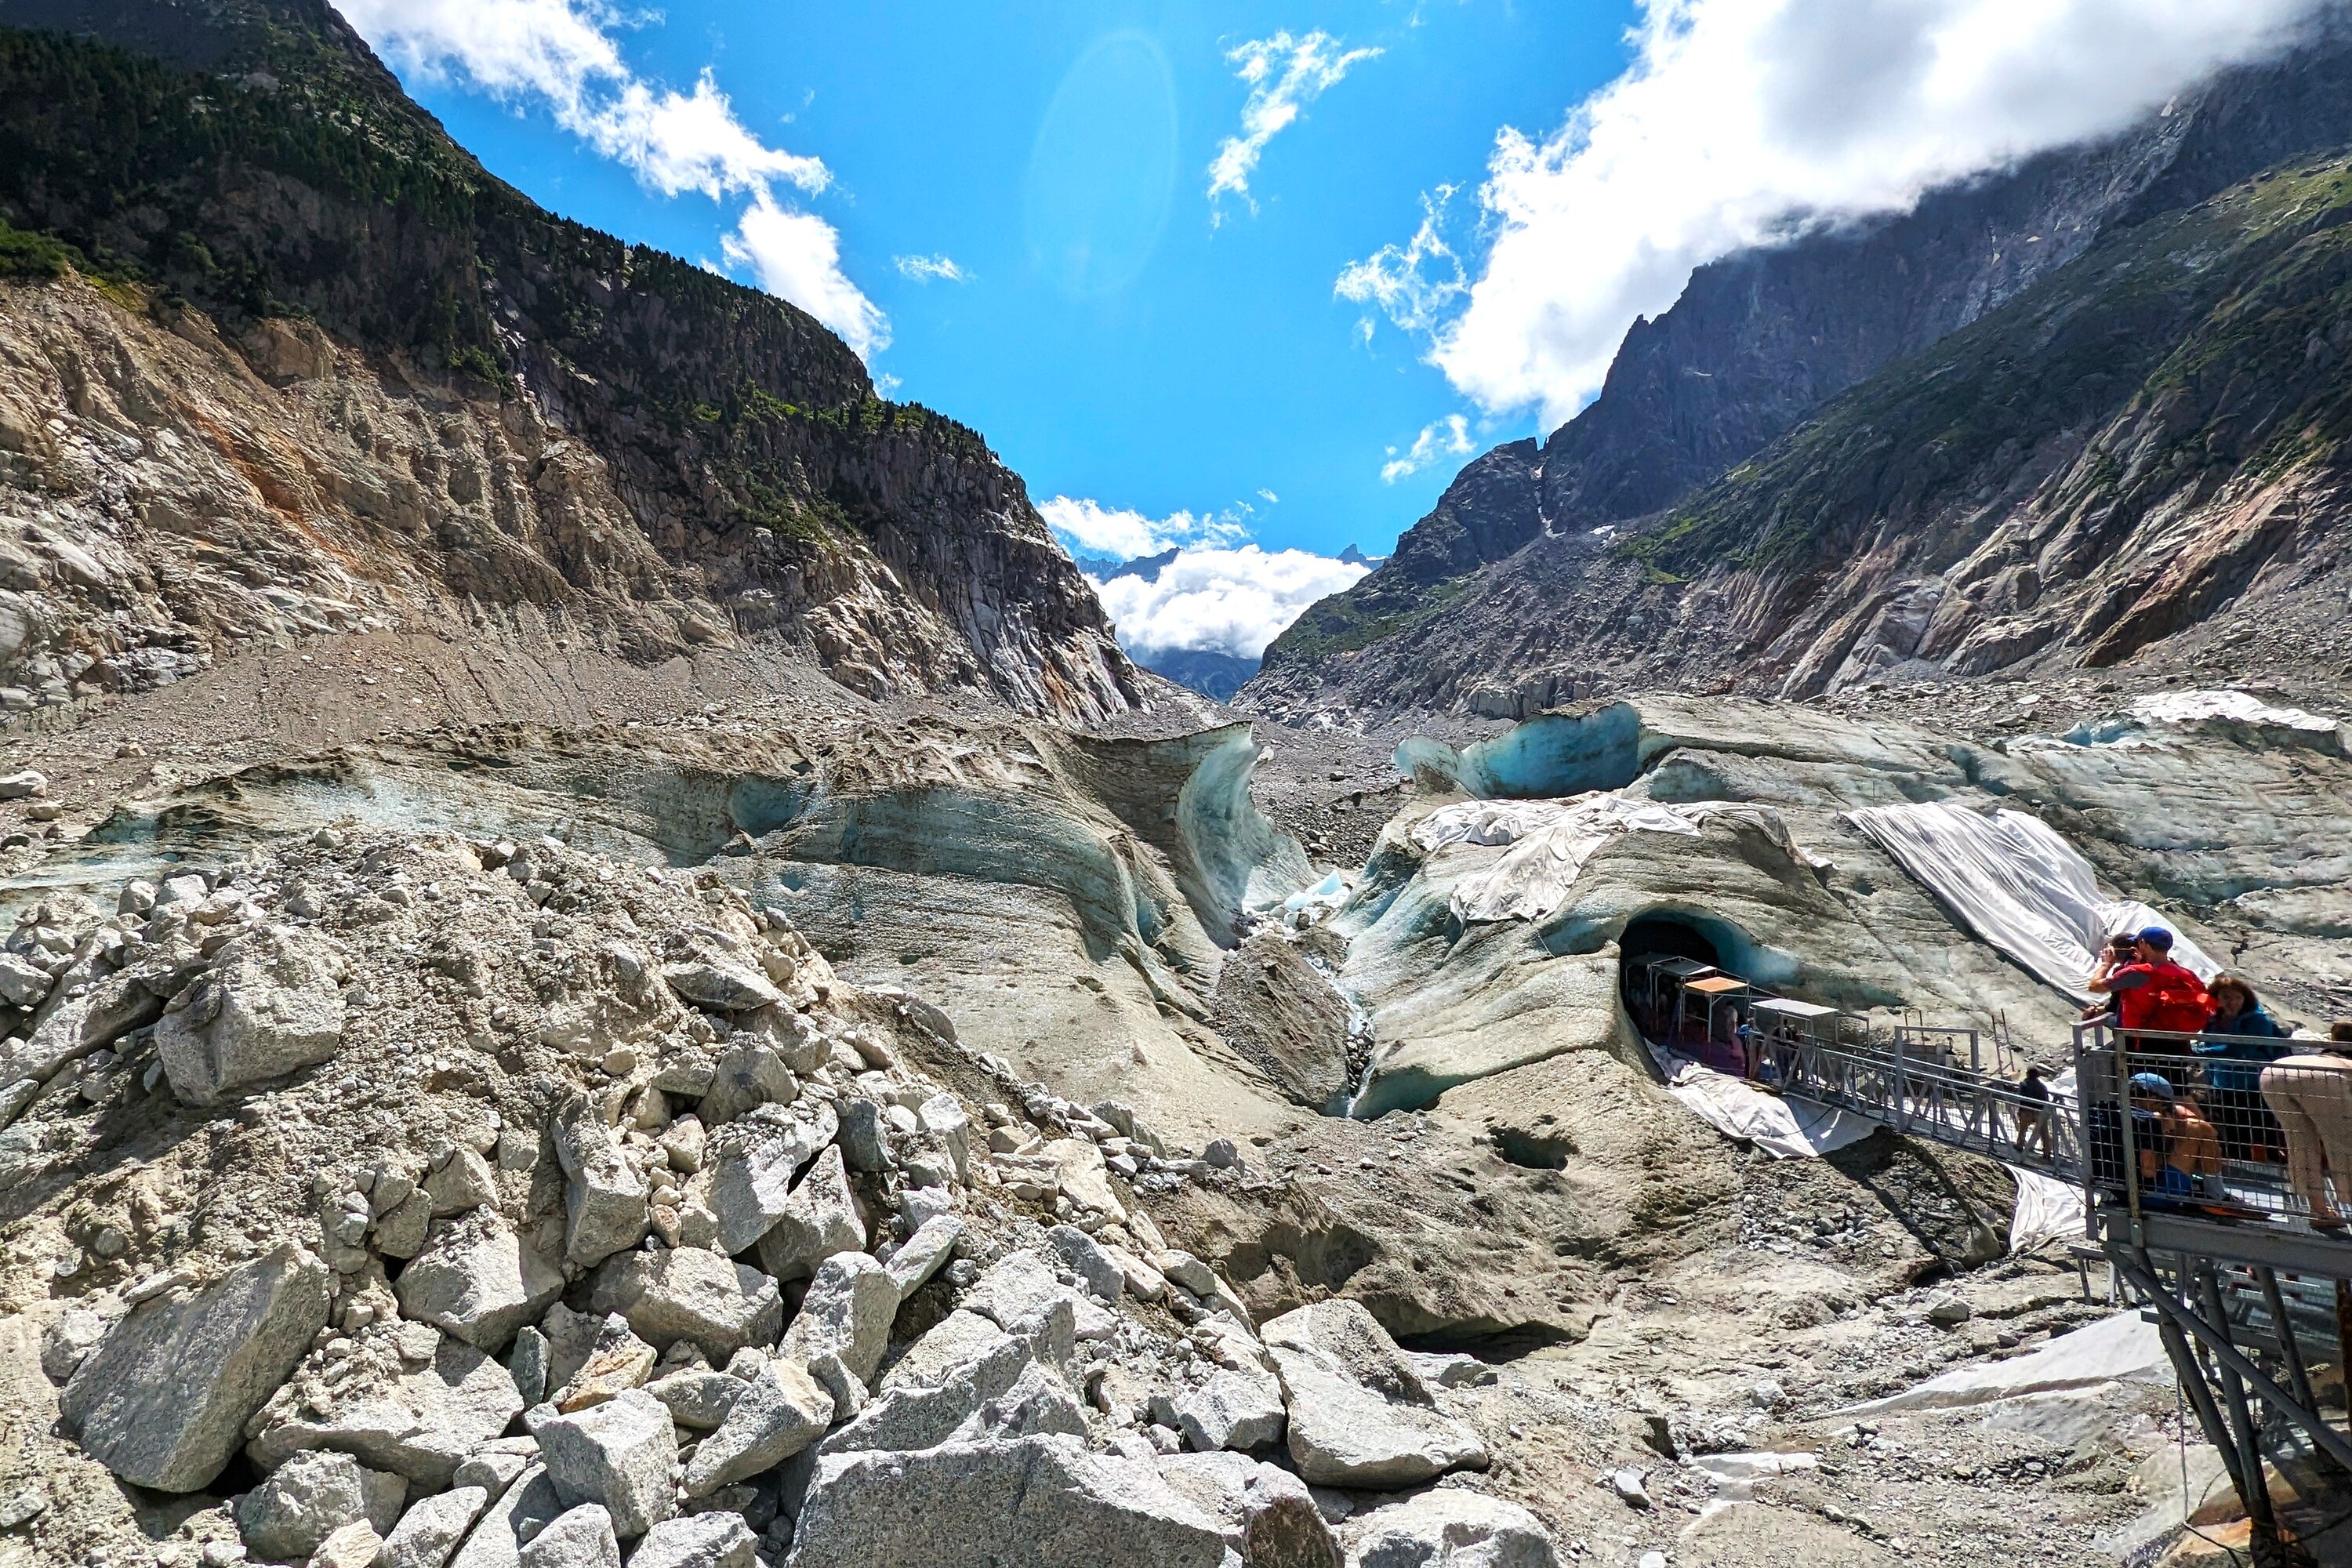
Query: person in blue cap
x,y
2152,993
2180,1155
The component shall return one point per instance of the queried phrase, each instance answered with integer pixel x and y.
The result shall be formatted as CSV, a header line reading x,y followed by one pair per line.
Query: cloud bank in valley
x,y
1221,594
1090,528
562,56
1225,601
1742,120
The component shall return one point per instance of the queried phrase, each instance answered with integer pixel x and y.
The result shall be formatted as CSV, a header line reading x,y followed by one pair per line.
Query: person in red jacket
x,y
2152,993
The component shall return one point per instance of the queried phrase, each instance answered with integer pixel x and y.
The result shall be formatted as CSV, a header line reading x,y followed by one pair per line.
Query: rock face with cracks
x,y
948,1506
271,1004
162,1400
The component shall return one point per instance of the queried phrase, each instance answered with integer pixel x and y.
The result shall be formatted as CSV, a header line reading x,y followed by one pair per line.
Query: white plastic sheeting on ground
x,y
2014,882
2047,1208
1788,1129
2123,1348
2223,709
1551,839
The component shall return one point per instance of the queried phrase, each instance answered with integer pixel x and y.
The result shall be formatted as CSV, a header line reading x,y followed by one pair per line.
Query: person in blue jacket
x,y
2242,1032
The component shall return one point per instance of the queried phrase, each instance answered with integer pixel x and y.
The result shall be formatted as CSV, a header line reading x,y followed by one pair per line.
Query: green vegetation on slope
x,y
2207,337
298,180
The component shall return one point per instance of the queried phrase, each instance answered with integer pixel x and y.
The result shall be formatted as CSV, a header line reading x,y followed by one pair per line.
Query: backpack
x,y
2173,999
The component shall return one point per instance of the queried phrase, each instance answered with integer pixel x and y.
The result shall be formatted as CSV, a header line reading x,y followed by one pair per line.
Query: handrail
x,y
1910,1075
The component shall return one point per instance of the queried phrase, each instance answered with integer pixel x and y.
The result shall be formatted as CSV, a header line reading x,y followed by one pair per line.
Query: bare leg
x,y
2304,1173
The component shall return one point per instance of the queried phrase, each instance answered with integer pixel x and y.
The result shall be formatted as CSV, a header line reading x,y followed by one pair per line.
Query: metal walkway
x,y
2207,1229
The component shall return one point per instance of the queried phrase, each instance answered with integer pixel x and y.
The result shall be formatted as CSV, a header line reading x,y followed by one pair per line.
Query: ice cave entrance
x,y
1679,978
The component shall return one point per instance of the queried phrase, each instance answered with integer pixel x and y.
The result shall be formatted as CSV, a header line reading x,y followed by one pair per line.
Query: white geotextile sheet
x,y
1787,1128
2046,1207
2011,879
2124,1347
2191,707
1551,840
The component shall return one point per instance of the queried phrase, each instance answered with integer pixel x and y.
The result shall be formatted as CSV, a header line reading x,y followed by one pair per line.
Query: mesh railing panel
x,y
2218,1125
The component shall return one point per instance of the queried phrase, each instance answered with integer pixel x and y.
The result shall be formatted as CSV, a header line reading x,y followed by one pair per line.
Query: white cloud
x,y
1269,498
1449,437
1230,601
1090,528
1743,121
931,269
1415,284
562,54
797,256
1284,74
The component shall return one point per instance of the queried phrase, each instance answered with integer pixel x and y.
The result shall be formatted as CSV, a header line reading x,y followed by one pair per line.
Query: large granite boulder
x,y
846,1313
1268,1515
310,1498
605,1197
163,1400
752,1161
622,1455
1359,1415
480,1281
272,1003
693,1294
1026,1502
1448,1527
421,1424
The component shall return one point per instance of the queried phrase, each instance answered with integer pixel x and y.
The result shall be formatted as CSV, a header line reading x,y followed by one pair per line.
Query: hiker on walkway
x,y
2153,992
2311,1095
2241,1040
2033,1118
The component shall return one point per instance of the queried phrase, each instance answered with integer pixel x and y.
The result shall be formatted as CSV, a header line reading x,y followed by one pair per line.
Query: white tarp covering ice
x,y
2190,707
2047,1208
1786,1128
2124,1347
2223,709
1551,839
2013,881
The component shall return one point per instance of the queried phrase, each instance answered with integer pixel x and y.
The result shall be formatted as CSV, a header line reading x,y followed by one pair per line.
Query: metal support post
x,y
2276,1299
2254,1490
2185,1367
2142,1275
1902,1098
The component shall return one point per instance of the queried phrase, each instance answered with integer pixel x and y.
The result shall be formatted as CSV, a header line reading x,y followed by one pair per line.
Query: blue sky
x,y
1256,280
1199,358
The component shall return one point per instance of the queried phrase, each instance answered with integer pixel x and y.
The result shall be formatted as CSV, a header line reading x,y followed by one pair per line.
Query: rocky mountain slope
x,y
1807,460
276,357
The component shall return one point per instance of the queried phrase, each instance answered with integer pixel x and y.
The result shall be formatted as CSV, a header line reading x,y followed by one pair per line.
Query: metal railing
x,y
1912,1075
2232,1137
2172,1123
1925,1095
2216,1174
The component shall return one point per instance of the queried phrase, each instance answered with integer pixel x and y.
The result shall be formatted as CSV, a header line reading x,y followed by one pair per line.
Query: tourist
x,y
2311,1095
2033,1118
2182,1158
2240,1041
2154,997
